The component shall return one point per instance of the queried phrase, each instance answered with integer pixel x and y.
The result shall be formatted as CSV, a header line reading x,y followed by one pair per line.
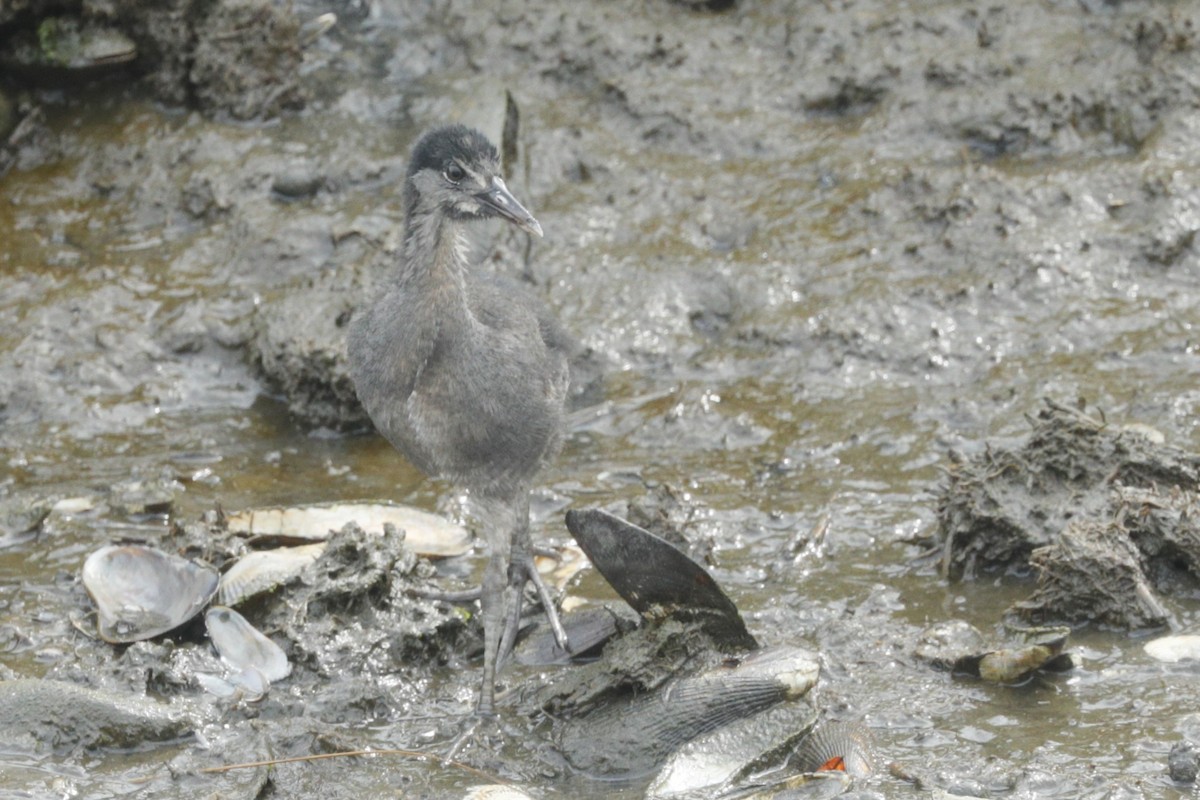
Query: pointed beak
x,y
501,201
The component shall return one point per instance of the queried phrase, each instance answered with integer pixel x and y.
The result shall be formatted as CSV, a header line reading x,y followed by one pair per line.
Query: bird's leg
x,y
514,591
510,565
522,569
514,598
492,600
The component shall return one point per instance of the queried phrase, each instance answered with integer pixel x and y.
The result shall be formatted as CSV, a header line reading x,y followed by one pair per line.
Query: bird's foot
x,y
479,730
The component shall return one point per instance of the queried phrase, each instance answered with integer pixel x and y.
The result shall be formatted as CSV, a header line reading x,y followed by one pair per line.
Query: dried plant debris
x,y
1103,514
1093,571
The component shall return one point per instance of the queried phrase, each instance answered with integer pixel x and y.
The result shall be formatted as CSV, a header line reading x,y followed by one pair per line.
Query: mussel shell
x,y
655,577
141,592
943,644
707,764
1016,665
243,647
587,629
263,570
631,736
804,786
66,48
957,646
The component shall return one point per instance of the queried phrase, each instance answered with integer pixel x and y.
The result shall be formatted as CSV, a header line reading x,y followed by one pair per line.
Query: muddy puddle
x,y
810,250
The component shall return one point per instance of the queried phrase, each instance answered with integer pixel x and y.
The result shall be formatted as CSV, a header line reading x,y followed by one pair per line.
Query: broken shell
x,y
560,565
141,592
960,648
1007,665
243,647
314,28
838,746
425,533
263,570
247,686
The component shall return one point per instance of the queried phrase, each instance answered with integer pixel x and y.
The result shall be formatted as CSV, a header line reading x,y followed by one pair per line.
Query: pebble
x,y
296,182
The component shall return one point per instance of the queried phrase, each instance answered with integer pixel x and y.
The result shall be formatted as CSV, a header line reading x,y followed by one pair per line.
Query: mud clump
x,y
241,57
1093,571
237,57
299,345
1103,514
65,716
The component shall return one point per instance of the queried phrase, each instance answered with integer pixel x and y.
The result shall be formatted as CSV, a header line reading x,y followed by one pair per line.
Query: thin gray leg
x,y
499,519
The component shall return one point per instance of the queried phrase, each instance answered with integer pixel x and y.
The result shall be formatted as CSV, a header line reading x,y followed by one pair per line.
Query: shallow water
x,y
800,313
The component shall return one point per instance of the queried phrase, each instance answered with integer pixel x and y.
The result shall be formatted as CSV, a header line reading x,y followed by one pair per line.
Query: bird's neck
x,y
434,262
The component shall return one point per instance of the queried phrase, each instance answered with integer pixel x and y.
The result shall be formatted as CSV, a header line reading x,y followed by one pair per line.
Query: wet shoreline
x,y
811,250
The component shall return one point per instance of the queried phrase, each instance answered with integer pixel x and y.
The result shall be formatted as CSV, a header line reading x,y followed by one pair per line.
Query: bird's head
x,y
455,171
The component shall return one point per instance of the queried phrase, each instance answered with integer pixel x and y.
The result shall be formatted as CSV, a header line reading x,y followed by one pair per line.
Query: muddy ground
x,y
810,249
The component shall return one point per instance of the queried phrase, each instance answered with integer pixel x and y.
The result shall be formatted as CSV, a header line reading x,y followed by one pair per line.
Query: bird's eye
x,y
454,173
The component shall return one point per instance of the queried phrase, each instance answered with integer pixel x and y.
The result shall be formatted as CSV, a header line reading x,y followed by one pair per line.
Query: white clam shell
x,y
496,792
1174,648
243,648
427,534
141,592
263,570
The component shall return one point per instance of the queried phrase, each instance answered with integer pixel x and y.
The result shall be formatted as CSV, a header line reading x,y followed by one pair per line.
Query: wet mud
x,y
809,251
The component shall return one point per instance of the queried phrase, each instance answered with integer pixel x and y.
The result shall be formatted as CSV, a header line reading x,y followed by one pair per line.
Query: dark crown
x,y
440,146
